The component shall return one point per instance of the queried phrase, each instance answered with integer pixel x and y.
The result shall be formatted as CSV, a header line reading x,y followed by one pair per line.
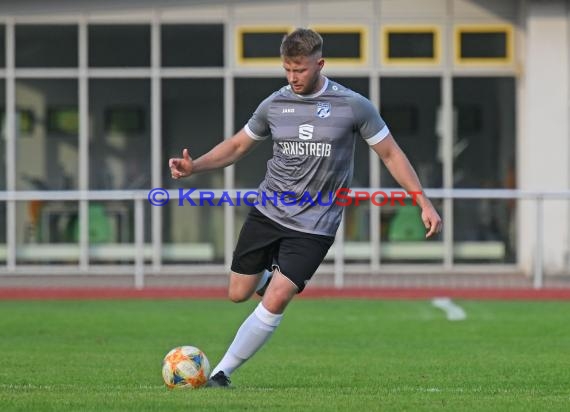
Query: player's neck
x,y
320,84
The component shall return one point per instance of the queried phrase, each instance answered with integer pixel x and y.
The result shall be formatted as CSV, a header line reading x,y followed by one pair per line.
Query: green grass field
x,y
327,355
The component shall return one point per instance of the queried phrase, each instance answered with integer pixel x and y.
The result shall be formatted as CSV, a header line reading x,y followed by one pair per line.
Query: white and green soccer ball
x,y
185,367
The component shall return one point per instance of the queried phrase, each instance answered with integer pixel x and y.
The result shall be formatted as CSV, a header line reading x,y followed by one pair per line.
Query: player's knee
x,y
237,295
241,287
277,300
281,296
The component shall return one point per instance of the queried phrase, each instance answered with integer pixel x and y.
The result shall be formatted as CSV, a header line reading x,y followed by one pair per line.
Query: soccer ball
x,y
185,367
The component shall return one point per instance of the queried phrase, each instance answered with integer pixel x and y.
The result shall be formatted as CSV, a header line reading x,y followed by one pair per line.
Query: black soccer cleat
x,y
219,380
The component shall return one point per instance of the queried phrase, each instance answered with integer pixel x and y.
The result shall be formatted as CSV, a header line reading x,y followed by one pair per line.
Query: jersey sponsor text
x,y
306,149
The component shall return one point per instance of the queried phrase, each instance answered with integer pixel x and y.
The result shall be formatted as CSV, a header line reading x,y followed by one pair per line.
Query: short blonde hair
x,y
301,43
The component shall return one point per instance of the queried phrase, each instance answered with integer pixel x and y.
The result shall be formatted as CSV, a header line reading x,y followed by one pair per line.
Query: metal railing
x,y
139,197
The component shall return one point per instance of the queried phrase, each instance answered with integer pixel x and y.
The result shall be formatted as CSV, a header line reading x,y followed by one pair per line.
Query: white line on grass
x,y
452,311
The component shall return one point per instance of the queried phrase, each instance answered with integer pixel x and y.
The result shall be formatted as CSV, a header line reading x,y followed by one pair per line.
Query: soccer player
x,y
313,123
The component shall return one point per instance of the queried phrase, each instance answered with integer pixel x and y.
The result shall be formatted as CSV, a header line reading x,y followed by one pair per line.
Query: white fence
x,y
140,253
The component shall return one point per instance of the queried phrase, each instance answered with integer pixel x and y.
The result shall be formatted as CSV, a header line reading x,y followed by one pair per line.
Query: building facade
x,y
98,95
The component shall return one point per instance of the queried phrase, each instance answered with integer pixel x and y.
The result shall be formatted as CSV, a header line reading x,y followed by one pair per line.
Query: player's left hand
x,y
432,220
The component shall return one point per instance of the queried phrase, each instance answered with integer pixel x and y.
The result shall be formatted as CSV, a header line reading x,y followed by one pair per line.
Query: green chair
x,y
100,229
406,225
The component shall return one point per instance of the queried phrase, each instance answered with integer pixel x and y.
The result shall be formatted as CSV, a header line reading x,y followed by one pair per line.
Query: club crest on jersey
x,y
323,109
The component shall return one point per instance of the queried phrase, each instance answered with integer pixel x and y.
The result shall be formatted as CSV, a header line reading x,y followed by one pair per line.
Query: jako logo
x,y
306,131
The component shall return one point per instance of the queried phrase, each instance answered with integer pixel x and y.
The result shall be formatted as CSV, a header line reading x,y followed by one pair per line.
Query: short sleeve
x,y
257,126
368,121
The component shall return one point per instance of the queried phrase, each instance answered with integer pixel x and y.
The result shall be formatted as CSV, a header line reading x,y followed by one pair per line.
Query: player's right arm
x,y
224,154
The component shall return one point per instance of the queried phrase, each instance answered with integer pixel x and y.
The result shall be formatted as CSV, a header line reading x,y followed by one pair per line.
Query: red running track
x,y
314,293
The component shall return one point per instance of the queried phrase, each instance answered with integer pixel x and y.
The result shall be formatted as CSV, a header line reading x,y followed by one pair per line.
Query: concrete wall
x,y
544,136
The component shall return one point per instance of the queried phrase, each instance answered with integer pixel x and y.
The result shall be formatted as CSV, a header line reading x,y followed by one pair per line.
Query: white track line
x,y
452,311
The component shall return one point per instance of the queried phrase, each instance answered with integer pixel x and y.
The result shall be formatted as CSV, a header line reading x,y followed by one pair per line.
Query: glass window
x,y
256,43
46,45
411,45
193,233
357,218
46,222
484,150
361,176
2,138
192,108
192,45
2,45
2,228
46,232
62,120
342,45
119,159
249,93
119,45
120,134
484,44
2,162
111,231
25,121
411,109
46,159
192,118
47,156
261,44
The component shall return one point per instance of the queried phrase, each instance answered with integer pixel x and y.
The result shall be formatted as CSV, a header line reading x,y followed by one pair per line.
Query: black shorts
x,y
265,244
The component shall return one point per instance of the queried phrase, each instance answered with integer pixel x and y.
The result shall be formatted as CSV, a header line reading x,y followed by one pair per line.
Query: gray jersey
x,y
313,153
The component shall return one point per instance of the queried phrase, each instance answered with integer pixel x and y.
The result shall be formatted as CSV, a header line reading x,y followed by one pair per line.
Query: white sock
x,y
252,335
263,279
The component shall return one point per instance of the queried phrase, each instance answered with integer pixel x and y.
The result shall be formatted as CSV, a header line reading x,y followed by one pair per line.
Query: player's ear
x,y
321,63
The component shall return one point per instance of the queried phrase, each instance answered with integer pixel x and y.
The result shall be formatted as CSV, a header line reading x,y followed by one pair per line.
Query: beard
x,y
310,87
